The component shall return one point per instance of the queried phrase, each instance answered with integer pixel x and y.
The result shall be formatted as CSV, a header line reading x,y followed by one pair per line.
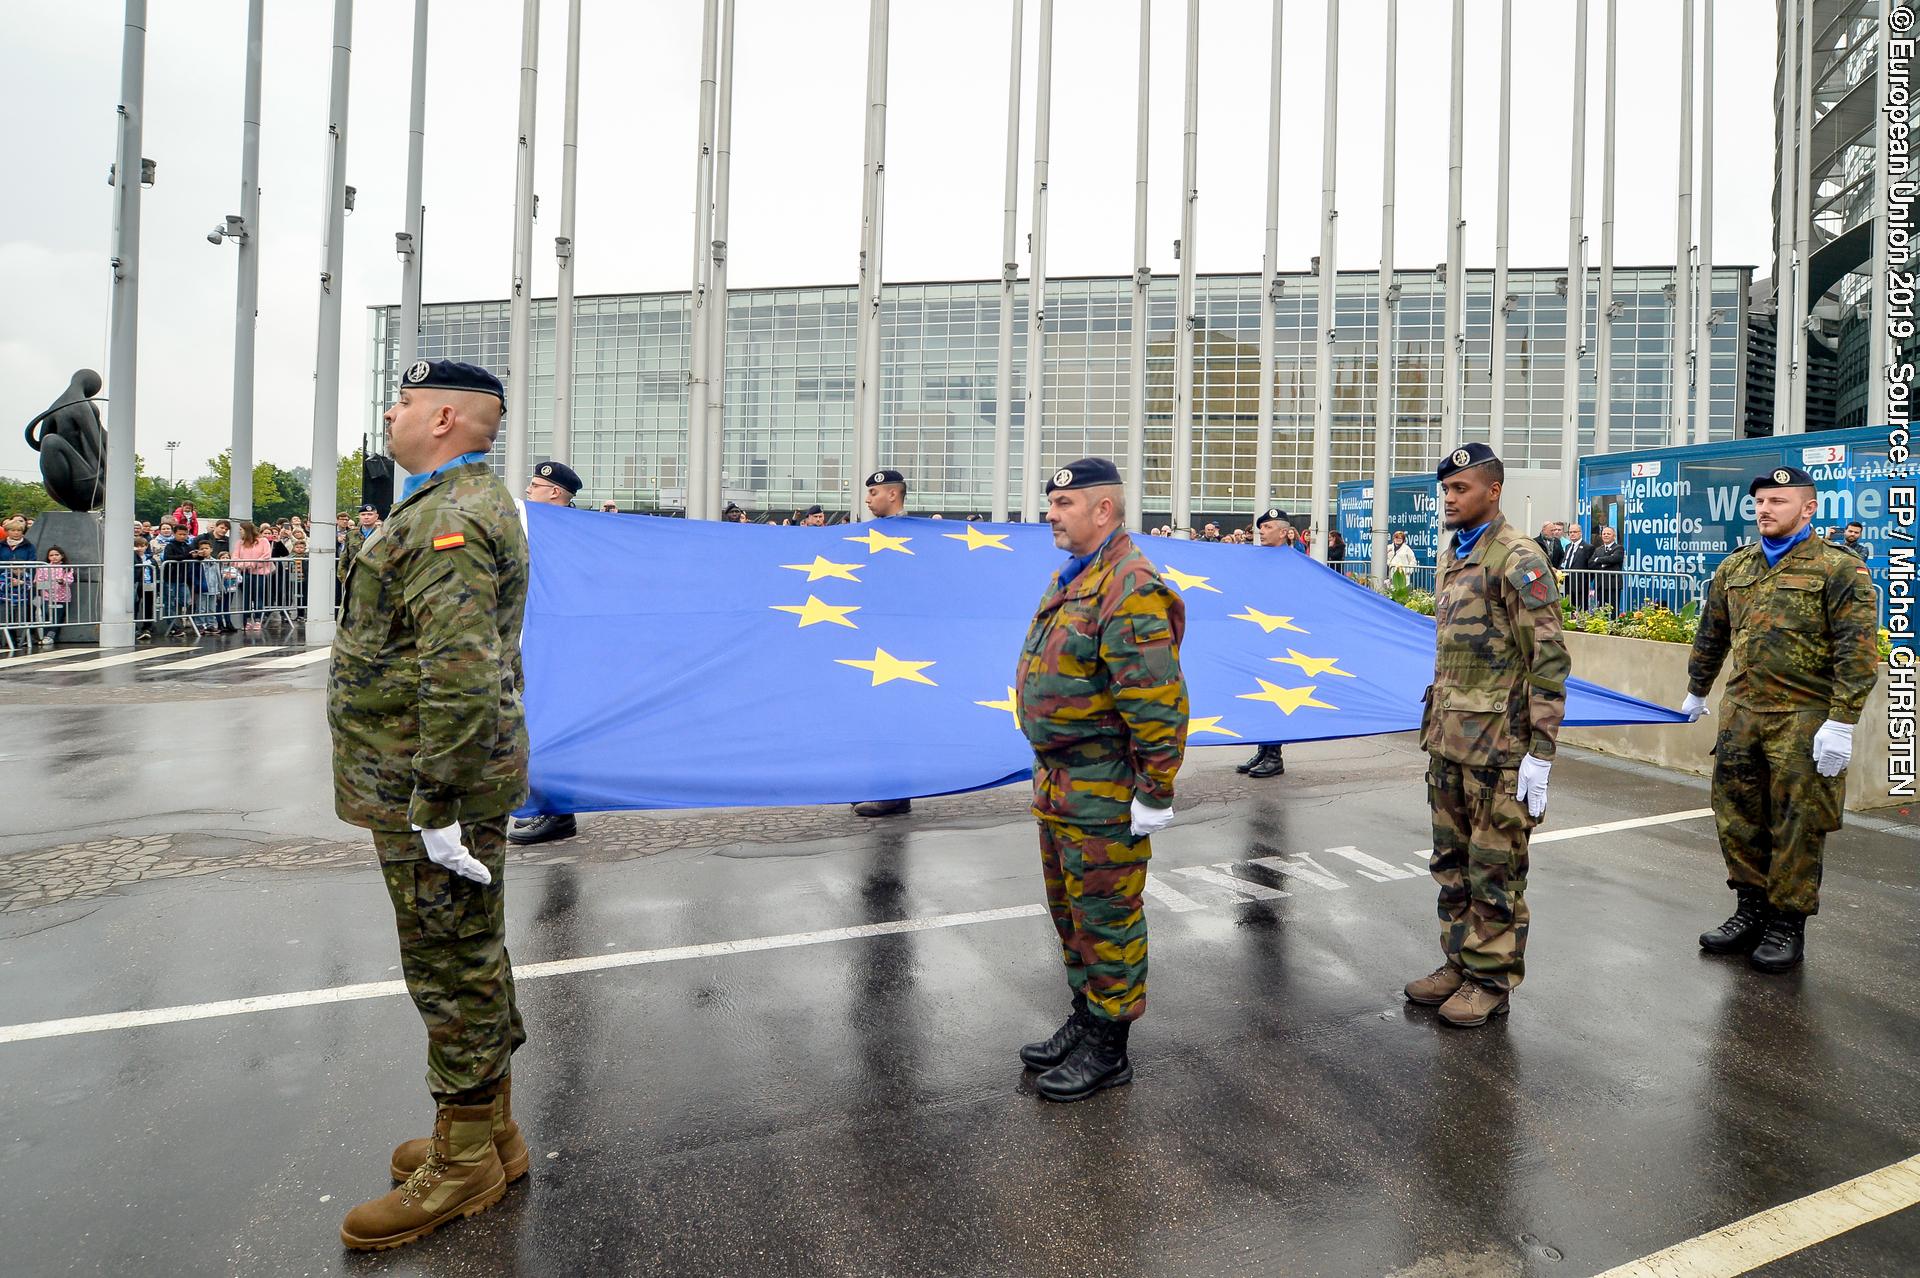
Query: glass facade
x,y
790,382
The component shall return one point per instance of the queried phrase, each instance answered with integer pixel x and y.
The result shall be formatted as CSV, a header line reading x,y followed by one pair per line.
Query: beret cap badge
x,y
417,372
1062,477
1782,476
1461,457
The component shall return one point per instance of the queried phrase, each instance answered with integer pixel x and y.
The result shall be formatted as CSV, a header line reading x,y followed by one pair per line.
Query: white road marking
x,y
9,663
217,658
297,660
1611,827
1373,868
119,659
1302,868
1299,867
1781,1231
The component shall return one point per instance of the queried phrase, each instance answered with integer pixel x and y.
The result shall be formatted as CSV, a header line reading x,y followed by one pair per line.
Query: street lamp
x,y
172,444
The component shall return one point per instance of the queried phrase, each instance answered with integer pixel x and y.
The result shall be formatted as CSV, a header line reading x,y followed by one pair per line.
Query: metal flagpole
x,y
876,346
1186,321
1009,276
323,487
1683,239
520,304
1454,303
1031,481
1320,512
1703,309
1497,416
1576,328
409,241
1269,257
1783,301
247,290
116,606
561,448
716,425
698,334
1606,306
866,389
1803,298
1384,389
1136,486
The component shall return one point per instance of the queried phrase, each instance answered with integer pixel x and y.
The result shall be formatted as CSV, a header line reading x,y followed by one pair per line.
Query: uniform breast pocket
x,y
1796,604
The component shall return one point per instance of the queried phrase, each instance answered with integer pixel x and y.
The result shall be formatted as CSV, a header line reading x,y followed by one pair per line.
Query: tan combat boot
x,y
1473,1004
507,1142
461,1176
1437,987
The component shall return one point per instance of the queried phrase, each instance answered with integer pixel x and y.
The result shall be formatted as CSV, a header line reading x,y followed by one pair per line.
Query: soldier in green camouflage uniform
x,y
430,754
1490,728
1102,700
1799,617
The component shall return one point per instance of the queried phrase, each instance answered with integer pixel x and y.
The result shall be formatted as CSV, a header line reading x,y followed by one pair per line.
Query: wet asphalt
x,y
853,1105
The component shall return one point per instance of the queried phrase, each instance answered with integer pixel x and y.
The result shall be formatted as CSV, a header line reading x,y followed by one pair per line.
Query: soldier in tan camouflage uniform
x,y
1490,728
1102,700
430,754
1799,617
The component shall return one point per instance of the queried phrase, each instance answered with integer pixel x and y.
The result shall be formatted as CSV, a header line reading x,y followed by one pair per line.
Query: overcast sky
x,y
797,136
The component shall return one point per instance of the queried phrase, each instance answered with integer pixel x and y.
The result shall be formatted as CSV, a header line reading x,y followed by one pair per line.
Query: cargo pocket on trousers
x,y
450,907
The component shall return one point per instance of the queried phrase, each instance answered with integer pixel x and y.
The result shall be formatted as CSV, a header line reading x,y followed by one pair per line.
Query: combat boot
x,y
1259,754
1274,765
1047,1054
1098,1061
1437,987
1473,1004
883,807
462,1176
1741,932
507,1142
1783,945
544,829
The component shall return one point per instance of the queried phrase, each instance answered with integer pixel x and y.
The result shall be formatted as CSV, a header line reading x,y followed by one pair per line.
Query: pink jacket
x,y
55,583
254,559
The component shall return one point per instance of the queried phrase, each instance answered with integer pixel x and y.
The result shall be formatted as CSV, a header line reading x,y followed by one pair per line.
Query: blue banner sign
x,y
1411,509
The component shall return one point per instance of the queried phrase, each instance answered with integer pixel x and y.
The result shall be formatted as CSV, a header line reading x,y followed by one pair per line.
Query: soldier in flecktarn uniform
x,y
1798,616
1490,729
430,754
1102,700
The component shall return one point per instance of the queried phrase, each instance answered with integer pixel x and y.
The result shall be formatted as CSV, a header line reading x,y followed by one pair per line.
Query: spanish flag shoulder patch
x,y
449,541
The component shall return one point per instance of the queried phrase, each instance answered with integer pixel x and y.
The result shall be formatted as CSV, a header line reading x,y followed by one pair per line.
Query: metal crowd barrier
x,y
220,595
42,603
1619,591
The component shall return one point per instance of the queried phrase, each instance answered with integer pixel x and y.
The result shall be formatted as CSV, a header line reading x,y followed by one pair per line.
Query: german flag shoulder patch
x,y
449,541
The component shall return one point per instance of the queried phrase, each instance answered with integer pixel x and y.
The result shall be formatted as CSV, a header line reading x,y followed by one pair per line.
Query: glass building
x,y
790,382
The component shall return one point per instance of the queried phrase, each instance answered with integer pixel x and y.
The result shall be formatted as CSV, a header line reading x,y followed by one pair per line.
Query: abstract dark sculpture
x,y
73,445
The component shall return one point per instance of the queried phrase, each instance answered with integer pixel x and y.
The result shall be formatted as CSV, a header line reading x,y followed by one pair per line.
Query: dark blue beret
x,y
1465,457
1781,477
1088,472
452,374
886,477
1269,516
558,474
369,510
811,511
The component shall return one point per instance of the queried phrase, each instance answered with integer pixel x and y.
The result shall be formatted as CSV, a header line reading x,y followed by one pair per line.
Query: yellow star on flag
x,y
1209,723
1312,667
1187,581
1288,699
977,540
885,668
876,541
824,567
814,611
1267,622
1007,705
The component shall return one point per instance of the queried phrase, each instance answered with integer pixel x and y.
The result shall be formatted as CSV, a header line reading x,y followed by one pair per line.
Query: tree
x,y
293,497
213,492
23,497
154,498
347,494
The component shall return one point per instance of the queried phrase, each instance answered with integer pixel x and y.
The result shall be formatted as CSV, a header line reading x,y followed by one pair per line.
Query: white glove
x,y
444,849
1693,707
1149,820
1832,748
1533,785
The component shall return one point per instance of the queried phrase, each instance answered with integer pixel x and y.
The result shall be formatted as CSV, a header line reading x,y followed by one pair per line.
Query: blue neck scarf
x,y
1077,564
414,483
1463,541
1774,548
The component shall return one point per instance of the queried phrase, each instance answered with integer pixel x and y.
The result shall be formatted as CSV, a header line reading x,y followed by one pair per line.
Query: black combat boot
x,y
1259,756
1783,945
1056,1049
1273,765
883,807
1740,933
544,829
1100,1061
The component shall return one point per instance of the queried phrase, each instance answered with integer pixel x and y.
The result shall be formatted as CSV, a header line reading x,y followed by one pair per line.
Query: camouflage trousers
x,y
1773,810
453,953
1480,833
1095,877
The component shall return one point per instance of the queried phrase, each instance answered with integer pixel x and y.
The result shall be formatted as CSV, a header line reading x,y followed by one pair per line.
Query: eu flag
x,y
679,663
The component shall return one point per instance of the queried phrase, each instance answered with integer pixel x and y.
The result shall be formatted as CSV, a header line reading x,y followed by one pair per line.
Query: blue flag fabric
x,y
674,663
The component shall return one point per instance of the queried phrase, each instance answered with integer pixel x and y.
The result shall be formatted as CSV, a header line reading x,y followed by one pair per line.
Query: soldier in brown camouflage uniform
x,y
1799,617
1102,699
1491,723
430,754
